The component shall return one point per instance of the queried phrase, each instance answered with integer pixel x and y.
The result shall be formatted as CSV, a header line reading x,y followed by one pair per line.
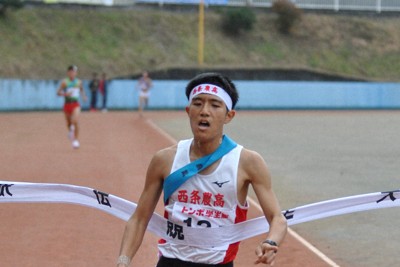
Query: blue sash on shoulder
x,y
180,176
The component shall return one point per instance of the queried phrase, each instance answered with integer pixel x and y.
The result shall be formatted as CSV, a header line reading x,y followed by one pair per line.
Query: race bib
x,y
197,216
74,91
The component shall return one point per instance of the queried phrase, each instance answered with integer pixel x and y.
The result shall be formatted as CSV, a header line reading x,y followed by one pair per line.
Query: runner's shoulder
x,y
166,154
251,161
249,155
64,82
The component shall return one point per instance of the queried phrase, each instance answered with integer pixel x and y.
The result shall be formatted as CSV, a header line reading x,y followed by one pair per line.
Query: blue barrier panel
x,y
124,94
316,95
28,94
166,94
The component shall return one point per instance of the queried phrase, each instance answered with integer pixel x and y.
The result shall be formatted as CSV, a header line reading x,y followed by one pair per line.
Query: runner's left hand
x,y
266,254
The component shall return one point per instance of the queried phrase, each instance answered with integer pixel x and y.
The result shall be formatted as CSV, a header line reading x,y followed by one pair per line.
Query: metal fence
x,y
334,5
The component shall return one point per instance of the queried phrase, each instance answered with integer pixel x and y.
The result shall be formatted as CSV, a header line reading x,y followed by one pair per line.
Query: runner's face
x,y
72,74
208,114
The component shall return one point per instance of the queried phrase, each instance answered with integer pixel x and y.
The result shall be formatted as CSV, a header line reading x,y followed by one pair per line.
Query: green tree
x,y
238,19
7,4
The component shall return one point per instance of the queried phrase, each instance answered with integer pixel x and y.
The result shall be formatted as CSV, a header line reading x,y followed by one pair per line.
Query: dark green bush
x,y
7,4
238,19
288,15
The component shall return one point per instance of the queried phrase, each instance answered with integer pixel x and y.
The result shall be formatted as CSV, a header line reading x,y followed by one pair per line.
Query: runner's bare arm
x,y
261,181
60,90
137,224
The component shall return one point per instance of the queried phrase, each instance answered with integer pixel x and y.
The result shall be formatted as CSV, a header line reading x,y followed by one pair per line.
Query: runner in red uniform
x,y
71,88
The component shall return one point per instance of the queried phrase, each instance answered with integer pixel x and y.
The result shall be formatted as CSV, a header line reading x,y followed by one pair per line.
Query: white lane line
x,y
317,252
161,131
307,244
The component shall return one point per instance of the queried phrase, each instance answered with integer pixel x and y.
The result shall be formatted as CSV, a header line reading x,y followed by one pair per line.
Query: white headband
x,y
212,90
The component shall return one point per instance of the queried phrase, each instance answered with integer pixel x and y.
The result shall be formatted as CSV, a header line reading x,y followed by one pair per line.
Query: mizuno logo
x,y
220,184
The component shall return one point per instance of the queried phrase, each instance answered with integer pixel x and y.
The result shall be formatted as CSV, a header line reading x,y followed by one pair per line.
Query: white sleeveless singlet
x,y
204,201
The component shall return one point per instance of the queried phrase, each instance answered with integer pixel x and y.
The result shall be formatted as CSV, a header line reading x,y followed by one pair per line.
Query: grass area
x,y
40,42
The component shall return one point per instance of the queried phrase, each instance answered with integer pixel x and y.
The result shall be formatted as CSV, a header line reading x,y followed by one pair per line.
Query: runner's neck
x,y
200,149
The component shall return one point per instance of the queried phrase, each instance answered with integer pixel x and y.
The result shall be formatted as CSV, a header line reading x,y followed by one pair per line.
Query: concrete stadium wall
x,y
21,95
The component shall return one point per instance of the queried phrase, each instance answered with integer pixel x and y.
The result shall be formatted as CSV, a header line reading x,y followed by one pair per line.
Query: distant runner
x,y
144,83
71,88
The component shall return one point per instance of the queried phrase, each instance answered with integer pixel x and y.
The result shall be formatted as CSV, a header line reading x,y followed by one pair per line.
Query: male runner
x,y
71,88
214,197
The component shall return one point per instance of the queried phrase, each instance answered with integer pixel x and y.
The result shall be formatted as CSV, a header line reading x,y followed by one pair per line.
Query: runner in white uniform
x,y
205,182
205,201
145,83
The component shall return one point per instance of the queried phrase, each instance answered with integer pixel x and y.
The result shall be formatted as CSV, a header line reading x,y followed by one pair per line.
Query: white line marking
x,y
307,244
161,131
313,249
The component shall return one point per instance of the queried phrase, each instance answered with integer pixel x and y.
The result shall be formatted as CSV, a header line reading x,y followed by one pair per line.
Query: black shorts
x,y
168,262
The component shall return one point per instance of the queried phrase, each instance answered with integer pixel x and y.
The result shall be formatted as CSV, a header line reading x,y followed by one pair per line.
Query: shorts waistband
x,y
164,261
71,101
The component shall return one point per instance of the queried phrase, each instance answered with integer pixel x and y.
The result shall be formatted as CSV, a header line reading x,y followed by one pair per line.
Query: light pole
x,y
200,56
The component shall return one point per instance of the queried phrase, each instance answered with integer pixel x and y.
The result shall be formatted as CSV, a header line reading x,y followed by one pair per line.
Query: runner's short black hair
x,y
215,79
72,67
